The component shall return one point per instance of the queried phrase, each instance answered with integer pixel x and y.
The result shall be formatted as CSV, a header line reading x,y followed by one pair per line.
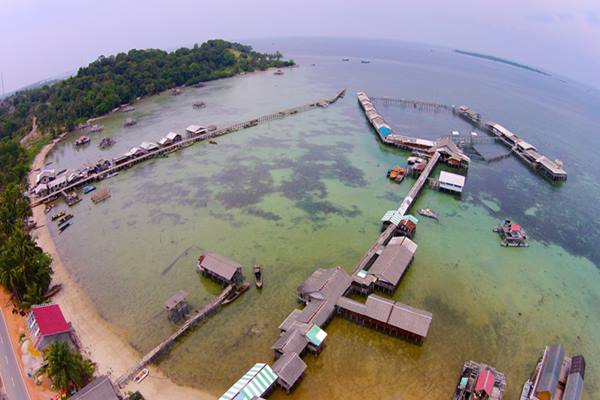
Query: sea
x,y
308,192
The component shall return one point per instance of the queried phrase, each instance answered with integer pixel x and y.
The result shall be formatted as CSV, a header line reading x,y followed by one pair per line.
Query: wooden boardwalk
x,y
416,104
188,142
388,233
191,322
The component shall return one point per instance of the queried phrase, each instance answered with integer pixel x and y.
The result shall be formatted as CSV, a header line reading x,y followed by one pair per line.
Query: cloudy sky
x,y
45,38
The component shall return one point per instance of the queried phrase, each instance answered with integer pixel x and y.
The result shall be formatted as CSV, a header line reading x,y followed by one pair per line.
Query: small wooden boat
x,y
237,293
96,128
212,142
278,72
258,279
141,375
65,219
345,59
58,215
111,175
88,188
365,62
82,140
52,291
427,212
199,105
64,226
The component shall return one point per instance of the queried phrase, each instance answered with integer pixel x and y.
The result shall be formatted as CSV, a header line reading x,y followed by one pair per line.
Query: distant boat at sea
x,y
345,59
365,62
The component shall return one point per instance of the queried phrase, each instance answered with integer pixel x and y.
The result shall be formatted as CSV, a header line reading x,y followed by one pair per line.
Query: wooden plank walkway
x,y
388,233
194,320
417,104
188,142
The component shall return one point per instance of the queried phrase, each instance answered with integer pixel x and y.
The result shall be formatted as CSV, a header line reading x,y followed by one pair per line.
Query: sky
x,y
40,39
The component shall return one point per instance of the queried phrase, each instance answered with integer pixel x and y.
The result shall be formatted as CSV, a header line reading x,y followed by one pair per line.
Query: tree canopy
x,y
66,367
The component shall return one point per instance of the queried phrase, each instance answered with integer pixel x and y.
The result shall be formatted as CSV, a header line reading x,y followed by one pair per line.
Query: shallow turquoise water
x,y
308,192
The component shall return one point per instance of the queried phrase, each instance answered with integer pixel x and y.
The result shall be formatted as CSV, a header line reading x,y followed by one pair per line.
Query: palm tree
x,y
33,296
66,367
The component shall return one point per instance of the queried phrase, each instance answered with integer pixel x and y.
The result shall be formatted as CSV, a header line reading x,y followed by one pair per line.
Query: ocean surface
x,y
308,191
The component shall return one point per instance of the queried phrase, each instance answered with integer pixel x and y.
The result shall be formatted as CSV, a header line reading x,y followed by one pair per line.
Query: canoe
x,y
237,293
258,279
426,212
141,375
62,228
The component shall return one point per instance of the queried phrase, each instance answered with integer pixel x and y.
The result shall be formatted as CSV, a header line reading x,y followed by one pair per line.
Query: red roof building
x,y
485,382
47,324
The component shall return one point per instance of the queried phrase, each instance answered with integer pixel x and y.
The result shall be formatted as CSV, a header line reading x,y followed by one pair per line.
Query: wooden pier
x,y
190,141
191,322
416,104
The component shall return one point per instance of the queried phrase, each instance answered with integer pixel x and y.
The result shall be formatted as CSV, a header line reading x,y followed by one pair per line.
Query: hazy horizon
x,y
42,40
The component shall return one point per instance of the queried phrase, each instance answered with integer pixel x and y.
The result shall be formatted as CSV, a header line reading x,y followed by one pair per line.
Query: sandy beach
x,y
99,340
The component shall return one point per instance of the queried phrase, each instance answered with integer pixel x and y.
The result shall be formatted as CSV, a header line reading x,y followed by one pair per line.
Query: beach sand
x,y
100,341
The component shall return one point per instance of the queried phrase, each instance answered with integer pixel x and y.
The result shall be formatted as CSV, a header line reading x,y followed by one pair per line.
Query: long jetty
x,y
421,105
190,141
191,322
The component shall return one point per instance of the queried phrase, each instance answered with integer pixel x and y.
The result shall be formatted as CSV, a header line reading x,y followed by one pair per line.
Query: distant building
x,y
258,382
45,176
195,130
99,389
558,377
149,146
177,307
47,324
290,369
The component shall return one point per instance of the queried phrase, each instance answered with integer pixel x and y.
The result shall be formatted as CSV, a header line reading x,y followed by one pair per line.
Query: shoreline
x,y
99,339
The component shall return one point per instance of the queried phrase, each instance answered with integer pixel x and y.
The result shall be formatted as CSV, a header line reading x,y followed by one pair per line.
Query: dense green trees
x,y
111,81
66,367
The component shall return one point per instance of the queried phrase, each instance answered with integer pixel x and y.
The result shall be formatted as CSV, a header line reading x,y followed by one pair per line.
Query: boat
x,y
88,188
65,219
278,72
106,143
58,215
427,212
345,59
396,174
513,235
96,128
48,208
365,62
54,289
82,140
64,226
212,142
478,382
141,375
237,293
199,105
258,276
128,109
129,122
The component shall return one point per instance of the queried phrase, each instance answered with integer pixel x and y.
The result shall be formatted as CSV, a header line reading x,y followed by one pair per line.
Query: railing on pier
x,y
195,319
417,104
188,142
388,233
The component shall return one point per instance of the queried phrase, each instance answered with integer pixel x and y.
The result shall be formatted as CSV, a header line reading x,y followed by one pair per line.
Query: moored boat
x,y
365,62
345,59
64,226
212,142
53,290
278,72
396,174
258,279
82,140
238,292
513,235
427,212
58,215
141,375
88,188
65,219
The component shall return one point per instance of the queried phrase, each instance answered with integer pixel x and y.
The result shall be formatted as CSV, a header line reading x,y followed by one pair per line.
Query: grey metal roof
x,y
351,305
289,320
289,367
99,389
378,308
175,300
551,366
290,341
574,387
219,265
394,260
410,319
331,283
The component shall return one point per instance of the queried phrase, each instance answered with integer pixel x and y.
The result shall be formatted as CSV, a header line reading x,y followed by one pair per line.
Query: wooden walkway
x,y
188,142
191,322
388,233
416,104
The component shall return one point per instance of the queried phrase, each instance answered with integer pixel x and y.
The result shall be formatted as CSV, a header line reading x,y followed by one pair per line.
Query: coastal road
x,y
12,380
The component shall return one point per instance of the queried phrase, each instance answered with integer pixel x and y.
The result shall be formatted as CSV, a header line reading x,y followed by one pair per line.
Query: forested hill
x,y
111,81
